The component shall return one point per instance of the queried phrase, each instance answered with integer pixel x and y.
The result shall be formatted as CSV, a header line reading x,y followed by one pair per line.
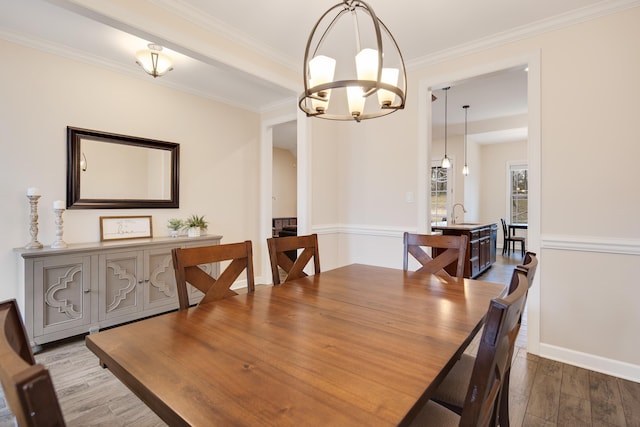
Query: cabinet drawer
x,y
485,232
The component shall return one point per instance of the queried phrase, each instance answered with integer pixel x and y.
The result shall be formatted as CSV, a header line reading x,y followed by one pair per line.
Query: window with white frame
x,y
518,194
440,186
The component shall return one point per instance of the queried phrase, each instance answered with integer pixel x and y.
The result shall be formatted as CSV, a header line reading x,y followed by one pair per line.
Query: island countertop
x,y
466,226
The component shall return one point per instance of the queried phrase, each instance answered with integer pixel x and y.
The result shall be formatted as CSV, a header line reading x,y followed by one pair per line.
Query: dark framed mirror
x,y
106,170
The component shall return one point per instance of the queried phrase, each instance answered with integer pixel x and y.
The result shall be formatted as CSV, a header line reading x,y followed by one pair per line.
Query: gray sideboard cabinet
x,y
86,287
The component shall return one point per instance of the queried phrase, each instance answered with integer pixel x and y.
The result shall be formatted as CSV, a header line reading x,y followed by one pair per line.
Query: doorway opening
x,y
429,150
284,181
288,133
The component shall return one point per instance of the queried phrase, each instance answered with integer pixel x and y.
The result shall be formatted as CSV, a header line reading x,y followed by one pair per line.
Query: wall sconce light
x,y
356,78
153,61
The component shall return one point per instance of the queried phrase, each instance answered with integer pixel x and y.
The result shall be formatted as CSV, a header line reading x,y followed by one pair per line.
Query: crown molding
x,y
211,23
99,61
279,105
604,8
58,50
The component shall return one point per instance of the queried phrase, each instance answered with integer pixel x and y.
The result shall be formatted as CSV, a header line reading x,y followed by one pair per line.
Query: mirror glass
x,y
118,171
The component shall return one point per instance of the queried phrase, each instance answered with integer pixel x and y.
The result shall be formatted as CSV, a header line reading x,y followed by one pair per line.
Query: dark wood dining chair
x,y
452,392
476,391
448,250
278,248
529,267
530,263
187,262
510,241
27,385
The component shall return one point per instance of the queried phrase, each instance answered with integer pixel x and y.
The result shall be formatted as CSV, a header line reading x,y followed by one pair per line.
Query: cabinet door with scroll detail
x,y
160,280
120,283
61,295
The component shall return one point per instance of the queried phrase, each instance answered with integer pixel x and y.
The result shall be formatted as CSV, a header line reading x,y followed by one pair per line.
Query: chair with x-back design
x,y
186,262
279,246
449,249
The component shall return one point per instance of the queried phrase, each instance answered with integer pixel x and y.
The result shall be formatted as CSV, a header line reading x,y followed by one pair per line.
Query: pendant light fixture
x,y
153,61
339,85
465,168
446,163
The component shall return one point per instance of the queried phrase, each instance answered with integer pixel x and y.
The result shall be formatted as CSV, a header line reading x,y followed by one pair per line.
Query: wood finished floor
x,y
543,392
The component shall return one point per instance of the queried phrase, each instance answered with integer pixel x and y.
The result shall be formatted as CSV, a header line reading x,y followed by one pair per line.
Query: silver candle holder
x,y
58,242
33,221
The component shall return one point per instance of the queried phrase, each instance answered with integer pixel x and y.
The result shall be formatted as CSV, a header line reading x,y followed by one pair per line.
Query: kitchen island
x,y
481,246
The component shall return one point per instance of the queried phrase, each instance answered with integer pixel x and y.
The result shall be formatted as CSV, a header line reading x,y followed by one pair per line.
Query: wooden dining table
x,y
358,345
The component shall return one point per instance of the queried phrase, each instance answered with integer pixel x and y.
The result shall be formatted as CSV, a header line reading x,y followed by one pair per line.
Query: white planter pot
x,y
174,233
193,232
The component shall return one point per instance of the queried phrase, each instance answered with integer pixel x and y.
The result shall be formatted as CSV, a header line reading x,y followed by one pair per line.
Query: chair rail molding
x,y
365,230
548,241
591,244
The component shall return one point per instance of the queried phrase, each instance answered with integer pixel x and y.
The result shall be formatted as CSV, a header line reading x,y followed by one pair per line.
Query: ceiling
x,y
497,107
218,46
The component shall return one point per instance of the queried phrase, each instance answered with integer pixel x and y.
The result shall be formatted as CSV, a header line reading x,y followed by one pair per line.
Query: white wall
x,y
588,202
377,171
219,149
474,186
284,184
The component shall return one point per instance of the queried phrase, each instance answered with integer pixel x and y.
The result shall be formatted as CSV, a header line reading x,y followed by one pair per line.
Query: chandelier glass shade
x,y
342,72
153,61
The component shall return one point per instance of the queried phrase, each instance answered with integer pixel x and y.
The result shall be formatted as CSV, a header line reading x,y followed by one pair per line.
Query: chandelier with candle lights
x,y
350,57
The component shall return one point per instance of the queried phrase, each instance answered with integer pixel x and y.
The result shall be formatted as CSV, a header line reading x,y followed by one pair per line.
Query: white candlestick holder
x,y
33,222
59,243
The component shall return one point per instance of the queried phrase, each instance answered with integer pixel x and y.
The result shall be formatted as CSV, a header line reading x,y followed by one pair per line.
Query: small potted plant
x,y
175,225
195,225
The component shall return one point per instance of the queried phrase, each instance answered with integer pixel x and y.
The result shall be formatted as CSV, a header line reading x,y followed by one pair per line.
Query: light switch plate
x,y
409,197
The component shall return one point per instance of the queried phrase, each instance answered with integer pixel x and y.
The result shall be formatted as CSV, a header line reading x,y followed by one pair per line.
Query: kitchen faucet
x,y
453,212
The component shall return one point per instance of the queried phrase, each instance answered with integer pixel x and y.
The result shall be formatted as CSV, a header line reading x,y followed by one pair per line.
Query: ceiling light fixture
x,y
372,70
153,61
465,168
446,163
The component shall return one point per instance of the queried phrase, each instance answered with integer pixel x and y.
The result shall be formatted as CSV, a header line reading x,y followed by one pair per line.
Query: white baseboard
x,y
612,367
258,280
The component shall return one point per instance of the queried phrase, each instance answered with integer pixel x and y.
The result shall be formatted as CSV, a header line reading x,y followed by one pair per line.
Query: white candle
x,y
33,191
58,204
